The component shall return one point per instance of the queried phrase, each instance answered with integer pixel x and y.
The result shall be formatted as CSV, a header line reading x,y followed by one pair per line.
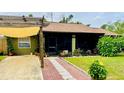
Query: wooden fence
x,y
3,45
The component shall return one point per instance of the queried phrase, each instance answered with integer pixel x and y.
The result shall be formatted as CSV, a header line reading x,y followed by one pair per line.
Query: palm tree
x,y
108,27
117,27
43,20
66,19
69,20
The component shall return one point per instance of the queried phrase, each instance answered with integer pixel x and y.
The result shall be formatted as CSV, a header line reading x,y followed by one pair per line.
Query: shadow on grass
x,y
119,55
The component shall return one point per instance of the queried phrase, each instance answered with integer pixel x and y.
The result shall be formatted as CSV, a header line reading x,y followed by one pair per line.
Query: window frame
x,y
29,39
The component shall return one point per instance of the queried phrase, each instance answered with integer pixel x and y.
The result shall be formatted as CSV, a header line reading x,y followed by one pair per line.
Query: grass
x,y
2,57
114,65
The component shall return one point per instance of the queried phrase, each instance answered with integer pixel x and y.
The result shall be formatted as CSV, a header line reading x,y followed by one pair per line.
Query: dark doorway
x,y
56,42
52,44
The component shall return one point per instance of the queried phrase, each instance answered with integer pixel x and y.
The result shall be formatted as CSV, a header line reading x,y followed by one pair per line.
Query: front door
x,y
52,45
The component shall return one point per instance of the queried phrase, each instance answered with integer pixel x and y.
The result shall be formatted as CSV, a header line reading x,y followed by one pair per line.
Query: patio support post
x,y
41,47
73,43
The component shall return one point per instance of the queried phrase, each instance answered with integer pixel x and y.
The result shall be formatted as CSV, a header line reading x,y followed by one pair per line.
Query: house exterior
x,y
24,35
62,36
24,40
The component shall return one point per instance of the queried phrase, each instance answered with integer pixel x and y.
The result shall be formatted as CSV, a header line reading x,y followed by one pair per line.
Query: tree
x,y
43,19
41,43
30,15
10,47
24,18
88,25
66,19
69,20
78,22
117,27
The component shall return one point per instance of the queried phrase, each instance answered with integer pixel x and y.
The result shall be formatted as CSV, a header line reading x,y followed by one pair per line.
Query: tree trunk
x,y
41,47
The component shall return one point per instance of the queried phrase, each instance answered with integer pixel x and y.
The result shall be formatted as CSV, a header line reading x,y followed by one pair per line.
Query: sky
x,y
96,19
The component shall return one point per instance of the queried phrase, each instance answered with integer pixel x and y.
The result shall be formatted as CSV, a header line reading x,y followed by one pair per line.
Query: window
x,y
24,42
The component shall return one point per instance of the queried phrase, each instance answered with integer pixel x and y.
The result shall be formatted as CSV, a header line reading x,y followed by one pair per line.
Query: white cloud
x,y
97,17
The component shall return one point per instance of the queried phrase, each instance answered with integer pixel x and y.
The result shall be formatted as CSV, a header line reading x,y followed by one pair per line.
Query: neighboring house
x,y
57,36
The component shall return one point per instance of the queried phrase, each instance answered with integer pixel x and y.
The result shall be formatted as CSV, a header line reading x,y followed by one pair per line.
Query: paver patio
x,y
20,68
58,69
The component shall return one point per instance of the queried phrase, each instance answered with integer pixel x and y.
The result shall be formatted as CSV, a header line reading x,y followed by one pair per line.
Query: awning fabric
x,y
19,32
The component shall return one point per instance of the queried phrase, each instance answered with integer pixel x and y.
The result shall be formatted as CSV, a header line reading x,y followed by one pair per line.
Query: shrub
x,y
10,46
97,71
77,52
119,42
82,52
88,52
1,53
109,46
64,53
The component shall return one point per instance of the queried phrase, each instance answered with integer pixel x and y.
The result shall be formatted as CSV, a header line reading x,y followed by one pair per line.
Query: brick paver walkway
x,y
57,69
76,73
49,71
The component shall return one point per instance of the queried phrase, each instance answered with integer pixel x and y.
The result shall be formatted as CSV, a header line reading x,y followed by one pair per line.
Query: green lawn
x,y
2,57
114,65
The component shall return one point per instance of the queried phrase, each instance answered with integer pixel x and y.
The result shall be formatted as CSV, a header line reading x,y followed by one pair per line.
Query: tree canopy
x,y
43,19
117,27
30,15
69,19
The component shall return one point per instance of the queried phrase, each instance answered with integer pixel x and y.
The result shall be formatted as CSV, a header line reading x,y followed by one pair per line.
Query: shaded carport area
x,y
20,67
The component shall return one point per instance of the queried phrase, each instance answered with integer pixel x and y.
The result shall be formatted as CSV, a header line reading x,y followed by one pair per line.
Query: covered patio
x,y
56,42
62,36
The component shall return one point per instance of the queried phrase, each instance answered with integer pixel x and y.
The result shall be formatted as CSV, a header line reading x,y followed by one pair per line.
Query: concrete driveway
x,y
20,68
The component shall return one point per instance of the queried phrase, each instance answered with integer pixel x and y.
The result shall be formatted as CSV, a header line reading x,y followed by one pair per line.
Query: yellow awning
x,y
19,32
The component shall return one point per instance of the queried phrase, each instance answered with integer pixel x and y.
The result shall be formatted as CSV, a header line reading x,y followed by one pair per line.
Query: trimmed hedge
x,y
110,46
